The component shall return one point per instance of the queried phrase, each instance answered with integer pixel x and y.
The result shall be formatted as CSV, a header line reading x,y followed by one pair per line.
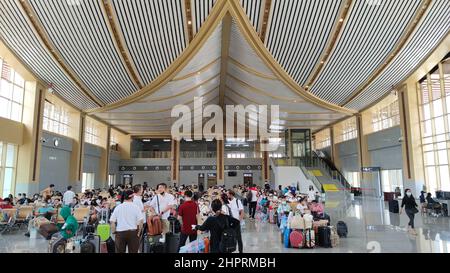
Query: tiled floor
x,y
371,229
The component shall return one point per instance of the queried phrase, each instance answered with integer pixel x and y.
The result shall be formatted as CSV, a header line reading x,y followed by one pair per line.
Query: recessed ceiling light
x,y
146,140
167,140
189,22
341,20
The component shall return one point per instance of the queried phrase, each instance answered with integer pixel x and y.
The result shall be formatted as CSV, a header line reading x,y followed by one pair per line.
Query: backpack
x,y
249,196
228,238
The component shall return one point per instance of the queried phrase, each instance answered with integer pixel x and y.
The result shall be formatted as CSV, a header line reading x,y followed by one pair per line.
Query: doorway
x,y
212,180
127,179
201,182
248,179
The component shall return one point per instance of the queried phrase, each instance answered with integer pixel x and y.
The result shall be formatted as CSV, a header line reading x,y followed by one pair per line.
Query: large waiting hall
x,y
224,126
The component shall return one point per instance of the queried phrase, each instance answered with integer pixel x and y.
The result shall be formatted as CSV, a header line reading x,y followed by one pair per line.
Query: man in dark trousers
x,y
187,214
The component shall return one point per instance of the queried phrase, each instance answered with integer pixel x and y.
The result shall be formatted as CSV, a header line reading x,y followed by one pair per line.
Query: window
x,y
322,139
112,180
91,133
391,179
56,119
88,181
11,93
353,179
348,132
434,106
8,161
386,117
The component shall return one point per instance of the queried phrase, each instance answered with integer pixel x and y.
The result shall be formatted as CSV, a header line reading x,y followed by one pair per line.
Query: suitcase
x,y
174,225
341,229
324,237
156,248
310,238
172,242
47,230
110,245
149,241
154,225
286,234
57,244
88,228
207,243
91,244
103,228
393,206
296,239
334,238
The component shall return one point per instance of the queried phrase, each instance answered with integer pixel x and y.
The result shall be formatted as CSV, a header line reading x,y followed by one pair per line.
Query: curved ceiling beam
x,y
42,35
265,20
406,36
251,70
220,9
119,42
225,43
331,43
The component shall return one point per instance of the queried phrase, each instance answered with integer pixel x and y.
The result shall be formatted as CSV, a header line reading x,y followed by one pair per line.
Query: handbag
x,y
414,210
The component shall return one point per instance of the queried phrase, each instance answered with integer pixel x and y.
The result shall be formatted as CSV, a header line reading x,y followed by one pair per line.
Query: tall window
x,y
434,96
11,93
322,139
87,183
386,117
348,132
8,161
392,179
56,119
112,180
91,133
353,179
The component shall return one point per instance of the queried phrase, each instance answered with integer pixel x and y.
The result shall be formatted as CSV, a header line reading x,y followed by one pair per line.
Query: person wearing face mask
x,y
283,208
162,204
410,206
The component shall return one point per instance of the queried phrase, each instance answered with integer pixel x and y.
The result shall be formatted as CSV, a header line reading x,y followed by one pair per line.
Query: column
x,y
175,161
265,164
369,182
220,155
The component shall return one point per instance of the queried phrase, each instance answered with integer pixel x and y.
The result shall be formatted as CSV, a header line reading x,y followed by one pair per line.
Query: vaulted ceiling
x,y
130,62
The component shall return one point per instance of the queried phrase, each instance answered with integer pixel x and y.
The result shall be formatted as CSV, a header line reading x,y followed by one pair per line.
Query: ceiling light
x,y
146,140
341,20
189,22
209,140
167,140
188,140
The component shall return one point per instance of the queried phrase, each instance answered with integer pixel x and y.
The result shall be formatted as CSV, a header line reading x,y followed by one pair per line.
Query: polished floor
x,y
371,229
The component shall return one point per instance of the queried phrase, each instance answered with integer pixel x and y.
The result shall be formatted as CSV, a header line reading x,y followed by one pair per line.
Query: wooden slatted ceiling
x,y
368,38
435,27
298,34
154,34
200,11
16,32
80,33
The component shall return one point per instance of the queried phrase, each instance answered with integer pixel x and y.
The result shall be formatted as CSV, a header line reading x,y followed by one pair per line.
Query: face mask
x,y
408,193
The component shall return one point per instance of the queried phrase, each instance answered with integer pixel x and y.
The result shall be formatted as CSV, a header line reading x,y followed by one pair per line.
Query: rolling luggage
x,y
174,224
342,229
172,237
296,239
103,228
286,234
324,237
57,244
47,230
87,229
149,241
154,225
310,238
393,206
91,244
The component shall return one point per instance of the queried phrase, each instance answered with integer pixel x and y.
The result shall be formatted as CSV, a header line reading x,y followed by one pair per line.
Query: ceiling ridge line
x,y
183,92
119,42
206,67
225,50
251,70
40,32
332,42
401,43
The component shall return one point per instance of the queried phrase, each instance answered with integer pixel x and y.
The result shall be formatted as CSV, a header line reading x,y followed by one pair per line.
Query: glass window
x,y
8,155
391,179
386,117
11,93
348,132
56,119
87,182
91,133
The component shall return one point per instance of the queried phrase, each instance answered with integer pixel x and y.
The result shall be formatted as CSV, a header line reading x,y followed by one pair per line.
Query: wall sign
x,y
370,169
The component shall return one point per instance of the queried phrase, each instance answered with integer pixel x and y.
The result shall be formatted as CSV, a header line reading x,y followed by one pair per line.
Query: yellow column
x,y
265,164
104,161
220,162
175,161
364,157
76,165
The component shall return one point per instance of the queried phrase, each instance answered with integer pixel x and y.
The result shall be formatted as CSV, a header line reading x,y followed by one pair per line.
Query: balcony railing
x,y
151,154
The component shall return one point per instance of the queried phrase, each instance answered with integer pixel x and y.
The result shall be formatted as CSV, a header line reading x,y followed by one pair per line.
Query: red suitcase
x,y
296,239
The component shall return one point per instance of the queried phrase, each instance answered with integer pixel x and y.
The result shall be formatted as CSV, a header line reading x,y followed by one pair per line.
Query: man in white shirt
x,y
129,220
68,196
237,212
137,200
161,204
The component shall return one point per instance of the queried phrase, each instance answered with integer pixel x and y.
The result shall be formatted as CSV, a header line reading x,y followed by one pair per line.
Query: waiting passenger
x,y
311,194
302,206
70,226
410,205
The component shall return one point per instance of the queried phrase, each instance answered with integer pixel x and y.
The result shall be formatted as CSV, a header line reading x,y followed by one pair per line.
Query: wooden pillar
x,y
364,158
265,164
175,161
80,151
107,155
220,155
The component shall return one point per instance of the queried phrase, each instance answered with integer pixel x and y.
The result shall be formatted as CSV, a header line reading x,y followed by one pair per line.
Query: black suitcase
x,y
172,242
342,229
91,244
149,241
324,237
156,248
174,225
393,206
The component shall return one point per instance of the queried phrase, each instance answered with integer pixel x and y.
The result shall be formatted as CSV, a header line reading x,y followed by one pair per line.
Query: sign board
x,y
370,169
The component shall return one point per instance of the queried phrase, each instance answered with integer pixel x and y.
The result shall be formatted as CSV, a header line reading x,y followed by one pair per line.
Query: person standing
x,y
311,194
187,214
68,196
137,200
410,206
126,224
253,201
48,192
237,212
161,204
